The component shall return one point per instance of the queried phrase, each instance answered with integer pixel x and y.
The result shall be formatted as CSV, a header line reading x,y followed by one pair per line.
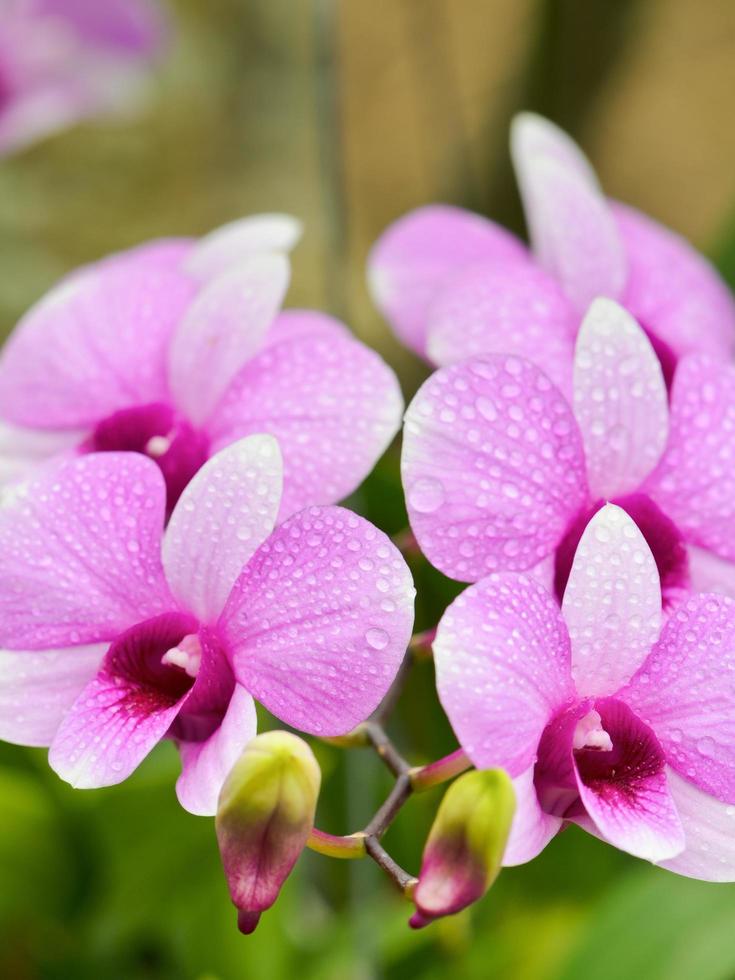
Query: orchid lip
x,y
158,432
585,744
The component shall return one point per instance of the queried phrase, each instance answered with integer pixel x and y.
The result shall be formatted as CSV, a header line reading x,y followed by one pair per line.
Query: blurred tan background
x,y
349,112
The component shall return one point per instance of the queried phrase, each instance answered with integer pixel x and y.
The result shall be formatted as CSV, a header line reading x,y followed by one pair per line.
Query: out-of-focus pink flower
x,y
454,284
177,348
501,472
65,60
116,634
602,717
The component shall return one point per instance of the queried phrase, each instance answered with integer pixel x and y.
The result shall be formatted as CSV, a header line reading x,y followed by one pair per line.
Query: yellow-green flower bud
x,y
265,815
464,850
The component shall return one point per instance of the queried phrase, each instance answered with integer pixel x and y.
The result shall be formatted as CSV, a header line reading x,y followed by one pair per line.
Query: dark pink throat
x,y
667,358
6,91
137,660
160,661
155,431
661,534
600,743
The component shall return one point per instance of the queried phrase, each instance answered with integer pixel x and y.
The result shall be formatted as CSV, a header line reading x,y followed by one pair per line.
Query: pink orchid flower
x,y
116,634
501,472
602,717
62,61
454,284
177,348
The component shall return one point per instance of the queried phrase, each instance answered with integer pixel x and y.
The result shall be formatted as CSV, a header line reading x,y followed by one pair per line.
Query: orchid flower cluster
x,y
174,446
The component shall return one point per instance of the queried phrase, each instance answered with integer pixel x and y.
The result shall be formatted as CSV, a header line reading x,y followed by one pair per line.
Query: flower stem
x,y
424,777
351,846
403,880
408,779
420,644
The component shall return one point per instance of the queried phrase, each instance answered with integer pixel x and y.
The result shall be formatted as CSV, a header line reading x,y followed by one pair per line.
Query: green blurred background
x,y
347,114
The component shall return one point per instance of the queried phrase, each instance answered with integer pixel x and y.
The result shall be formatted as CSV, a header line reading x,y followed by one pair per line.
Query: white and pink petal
x,y
127,708
709,829
504,308
223,328
502,660
228,246
205,763
695,481
572,229
223,516
420,253
332,403
37,688
319,621
620,400
95,344
685,693
532,827
81,547
672,290
492,466
612,602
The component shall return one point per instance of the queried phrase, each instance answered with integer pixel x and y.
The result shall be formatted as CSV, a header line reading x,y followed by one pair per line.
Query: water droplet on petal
x,y
377,638
426,495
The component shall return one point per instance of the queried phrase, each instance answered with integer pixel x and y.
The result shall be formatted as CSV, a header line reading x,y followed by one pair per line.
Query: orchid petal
x,y
124,711
318,623
492,466
94,345
81,552
226,246
572,228
222,329
630,806
127,27
37,687
21,450
708,573
333,404
504,308
205,764
532,828
620,400
612,602
673,290
682,692
695,480
223,516
502,663
709,828
418,254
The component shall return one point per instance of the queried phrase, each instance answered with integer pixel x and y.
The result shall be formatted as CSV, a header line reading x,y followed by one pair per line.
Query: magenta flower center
x,y
162,659
661,534
601,744
157,432
137,661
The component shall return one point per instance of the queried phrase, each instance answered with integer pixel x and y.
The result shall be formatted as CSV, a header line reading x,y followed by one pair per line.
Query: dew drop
x,y
377,638
426,495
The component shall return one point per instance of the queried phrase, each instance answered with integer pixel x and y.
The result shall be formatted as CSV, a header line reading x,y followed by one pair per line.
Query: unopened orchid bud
x,y
264,818
465,846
